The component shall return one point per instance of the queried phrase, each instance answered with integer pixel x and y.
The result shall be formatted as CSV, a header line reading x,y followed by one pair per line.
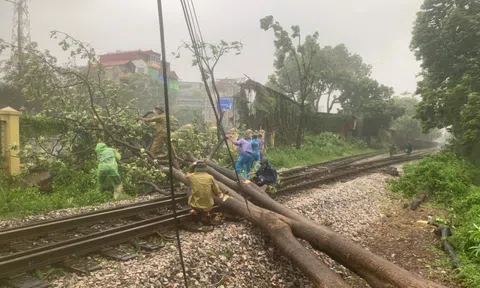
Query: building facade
x,y
120,64
194,95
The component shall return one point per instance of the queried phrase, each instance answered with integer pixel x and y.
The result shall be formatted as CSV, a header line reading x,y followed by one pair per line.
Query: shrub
x,y
450,180
442,175
316,148
69,189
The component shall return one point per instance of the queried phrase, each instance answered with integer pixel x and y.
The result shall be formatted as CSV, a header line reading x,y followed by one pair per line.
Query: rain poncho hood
x,y
107,170
107,156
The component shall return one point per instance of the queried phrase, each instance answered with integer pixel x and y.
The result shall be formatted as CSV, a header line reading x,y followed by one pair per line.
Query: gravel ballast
x,y
4,224
237,254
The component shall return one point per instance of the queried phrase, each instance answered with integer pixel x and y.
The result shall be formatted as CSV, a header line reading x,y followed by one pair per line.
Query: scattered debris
x,y
391,171
417,201
444,232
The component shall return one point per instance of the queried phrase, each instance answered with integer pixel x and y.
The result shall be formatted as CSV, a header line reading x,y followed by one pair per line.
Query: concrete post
x,y
10,137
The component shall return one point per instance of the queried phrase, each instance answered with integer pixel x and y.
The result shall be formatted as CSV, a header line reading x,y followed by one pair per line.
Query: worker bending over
x,y
245,156
202,188
265,175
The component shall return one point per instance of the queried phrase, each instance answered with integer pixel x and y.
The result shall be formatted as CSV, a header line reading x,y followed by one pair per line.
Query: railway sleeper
x,y
80,265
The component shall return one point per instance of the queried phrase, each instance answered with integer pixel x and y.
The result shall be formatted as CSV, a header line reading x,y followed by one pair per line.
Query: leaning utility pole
x,y
20,33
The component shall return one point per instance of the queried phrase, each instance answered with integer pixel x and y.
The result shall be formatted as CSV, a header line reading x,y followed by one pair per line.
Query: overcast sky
x,y
378,30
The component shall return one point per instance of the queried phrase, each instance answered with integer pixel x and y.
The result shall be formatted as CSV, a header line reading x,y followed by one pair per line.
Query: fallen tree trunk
x,y
377,271
281,234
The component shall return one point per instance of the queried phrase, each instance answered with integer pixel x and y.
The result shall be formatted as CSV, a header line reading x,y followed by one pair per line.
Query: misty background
x,y
377,30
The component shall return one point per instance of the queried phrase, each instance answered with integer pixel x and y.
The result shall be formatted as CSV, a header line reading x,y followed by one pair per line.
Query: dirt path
x,y
401,239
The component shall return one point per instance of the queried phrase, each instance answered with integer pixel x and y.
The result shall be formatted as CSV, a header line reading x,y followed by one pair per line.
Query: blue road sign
x,y
226,103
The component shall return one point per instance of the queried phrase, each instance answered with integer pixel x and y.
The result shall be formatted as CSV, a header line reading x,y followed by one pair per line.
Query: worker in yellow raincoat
x,y
160,134
202,188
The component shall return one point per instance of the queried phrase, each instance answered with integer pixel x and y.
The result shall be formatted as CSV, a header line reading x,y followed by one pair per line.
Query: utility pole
x,y
20,33
19,37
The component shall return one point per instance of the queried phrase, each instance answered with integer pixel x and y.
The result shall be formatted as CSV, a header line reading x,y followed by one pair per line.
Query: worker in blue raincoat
x,y
255,148
245,156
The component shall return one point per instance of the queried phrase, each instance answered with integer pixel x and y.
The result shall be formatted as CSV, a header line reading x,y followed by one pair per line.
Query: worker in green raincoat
x,y
107,170
202,188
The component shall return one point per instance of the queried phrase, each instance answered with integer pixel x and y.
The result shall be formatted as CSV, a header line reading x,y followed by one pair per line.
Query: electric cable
x,y
169,138
191,31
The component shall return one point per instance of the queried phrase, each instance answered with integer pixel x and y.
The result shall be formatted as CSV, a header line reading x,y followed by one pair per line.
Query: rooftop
x,y
133,51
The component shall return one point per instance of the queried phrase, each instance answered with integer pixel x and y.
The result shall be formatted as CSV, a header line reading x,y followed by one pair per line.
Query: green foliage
x,y
297,57
270,110
80,108
340,70
407,127
370,101
144,91
70,189
442,175
474,239
322,147
187,115
451,181
306,72
447,42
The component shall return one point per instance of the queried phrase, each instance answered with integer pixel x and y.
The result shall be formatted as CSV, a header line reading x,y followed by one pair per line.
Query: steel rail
x,y
52,253
62,224
349,171
339,165
352,158
98,211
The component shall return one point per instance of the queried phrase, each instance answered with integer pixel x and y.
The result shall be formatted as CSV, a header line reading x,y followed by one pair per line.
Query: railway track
x,y
325,173
66,242
291,173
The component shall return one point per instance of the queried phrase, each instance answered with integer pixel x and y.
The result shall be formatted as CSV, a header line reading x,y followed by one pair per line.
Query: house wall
x,y
140,66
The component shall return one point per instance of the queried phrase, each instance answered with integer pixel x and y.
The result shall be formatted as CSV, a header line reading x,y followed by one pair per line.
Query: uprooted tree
x,y
101,111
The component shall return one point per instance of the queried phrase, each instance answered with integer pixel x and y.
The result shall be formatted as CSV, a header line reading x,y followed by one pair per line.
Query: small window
x,y
140,70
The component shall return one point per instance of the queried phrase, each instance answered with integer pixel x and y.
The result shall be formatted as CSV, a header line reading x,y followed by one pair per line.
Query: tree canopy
x,y
306,72
447,42
292,52
407,127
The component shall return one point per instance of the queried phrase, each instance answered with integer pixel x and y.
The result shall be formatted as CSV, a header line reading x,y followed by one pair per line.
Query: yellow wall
x,y
11,138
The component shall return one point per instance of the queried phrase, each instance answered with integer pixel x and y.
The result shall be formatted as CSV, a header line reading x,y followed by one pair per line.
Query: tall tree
x,y
371,102
447,42
290,52
343,70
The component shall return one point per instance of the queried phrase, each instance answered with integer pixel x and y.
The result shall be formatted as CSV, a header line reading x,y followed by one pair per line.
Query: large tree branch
x,y
374,269
279,231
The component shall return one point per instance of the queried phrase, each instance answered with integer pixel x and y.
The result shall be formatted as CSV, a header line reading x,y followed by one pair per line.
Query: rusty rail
x,y
44,255
62,224
349,170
